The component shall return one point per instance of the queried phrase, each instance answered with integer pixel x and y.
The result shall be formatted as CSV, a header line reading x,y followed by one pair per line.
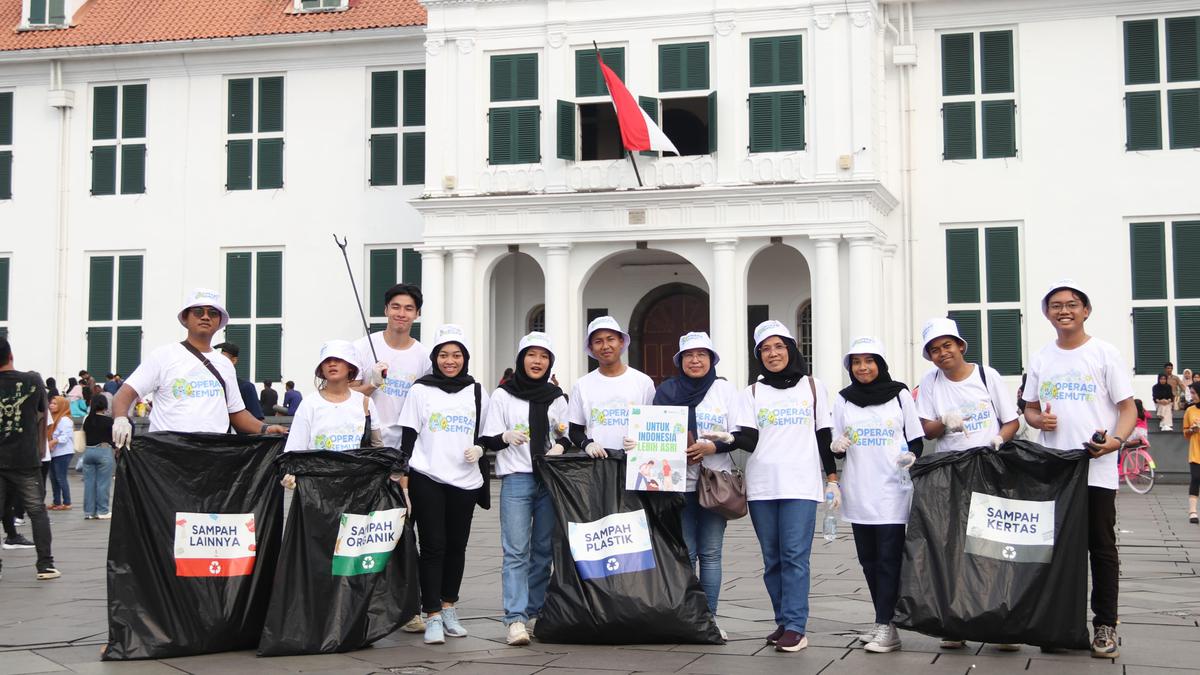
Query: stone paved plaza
x,y
60,625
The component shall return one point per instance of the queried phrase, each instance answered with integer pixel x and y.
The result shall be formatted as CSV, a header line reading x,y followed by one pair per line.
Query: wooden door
x,y
663,324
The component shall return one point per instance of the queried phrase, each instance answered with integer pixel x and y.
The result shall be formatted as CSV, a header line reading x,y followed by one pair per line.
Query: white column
x,y
722,301
462,284
827,312
433,288
558,298
864,300
888,285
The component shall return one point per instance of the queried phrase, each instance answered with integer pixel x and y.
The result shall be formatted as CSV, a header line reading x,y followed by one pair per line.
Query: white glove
x,y
375,375
289,481
514,437
560,429
952,421
837,494
628,444
996,442
596,451
717,436
556,449
840,445
472,454
905,461
122,431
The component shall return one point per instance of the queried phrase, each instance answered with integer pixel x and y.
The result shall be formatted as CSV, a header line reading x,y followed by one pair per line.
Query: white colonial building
x,y
849,168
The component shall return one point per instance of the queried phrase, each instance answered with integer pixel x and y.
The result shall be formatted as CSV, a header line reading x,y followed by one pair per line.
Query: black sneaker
x,y
17,541
46,572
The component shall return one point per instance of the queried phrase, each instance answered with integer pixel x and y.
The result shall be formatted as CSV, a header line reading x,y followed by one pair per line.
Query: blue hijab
x,y
685,390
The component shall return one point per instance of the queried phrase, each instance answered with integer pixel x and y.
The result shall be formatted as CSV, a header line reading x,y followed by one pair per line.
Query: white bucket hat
x,y
449,332
203,297
864,345
604,323
1068,284
936,328
338,349
769,328
695,340
537,339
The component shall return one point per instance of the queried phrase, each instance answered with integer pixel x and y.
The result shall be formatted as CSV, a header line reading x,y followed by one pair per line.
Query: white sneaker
x,y
724,635
414,625
529,626
886,640
517,635
867,637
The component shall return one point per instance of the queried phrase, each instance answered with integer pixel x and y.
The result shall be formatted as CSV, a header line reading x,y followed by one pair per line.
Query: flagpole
x,y
635,169
632,161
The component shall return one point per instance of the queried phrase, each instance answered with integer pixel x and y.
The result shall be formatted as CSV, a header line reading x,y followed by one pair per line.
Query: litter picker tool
x,y
357,300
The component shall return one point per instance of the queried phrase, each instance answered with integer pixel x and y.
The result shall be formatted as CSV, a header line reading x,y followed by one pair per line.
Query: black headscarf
x,y
791,374
880,390
450,385
540,393
686,390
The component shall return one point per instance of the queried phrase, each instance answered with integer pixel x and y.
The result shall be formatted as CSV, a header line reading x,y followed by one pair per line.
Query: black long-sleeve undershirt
x,y
916,446
743,439
577,433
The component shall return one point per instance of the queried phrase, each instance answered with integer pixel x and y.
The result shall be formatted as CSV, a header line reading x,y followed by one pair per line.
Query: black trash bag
x,y
348,573
981,563
635,585
193,544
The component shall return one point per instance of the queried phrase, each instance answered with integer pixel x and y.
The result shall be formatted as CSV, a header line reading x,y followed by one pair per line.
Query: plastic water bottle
x,y
902,473
829,526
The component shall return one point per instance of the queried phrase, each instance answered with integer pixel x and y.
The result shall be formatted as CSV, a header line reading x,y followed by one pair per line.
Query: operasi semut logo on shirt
x,y
787,416
454,424
182,389
875,433
345,437
1069,386
611,415
398,386
975,415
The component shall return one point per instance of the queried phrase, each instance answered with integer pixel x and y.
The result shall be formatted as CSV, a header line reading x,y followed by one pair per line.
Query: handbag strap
x,y
812,386
207,364
366,438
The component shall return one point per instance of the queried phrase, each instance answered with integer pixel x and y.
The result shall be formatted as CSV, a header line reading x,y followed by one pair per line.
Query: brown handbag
x,y
722,492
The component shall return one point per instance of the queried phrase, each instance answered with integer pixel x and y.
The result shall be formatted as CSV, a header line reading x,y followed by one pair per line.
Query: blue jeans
x,y
785,534
59,466
98,468
526,531
704,533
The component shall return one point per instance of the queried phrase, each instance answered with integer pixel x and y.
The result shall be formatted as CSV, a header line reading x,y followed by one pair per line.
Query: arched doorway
x,y
517,294
659,318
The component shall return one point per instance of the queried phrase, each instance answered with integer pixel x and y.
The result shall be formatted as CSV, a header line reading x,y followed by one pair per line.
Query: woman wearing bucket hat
x,y
599,408
783,477
337,417
717,415
526,418
875,425
439,438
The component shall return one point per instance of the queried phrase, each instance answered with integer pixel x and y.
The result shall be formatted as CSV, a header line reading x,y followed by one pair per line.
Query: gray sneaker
x,y
453,626
1104,644
886,640
433,631
867,637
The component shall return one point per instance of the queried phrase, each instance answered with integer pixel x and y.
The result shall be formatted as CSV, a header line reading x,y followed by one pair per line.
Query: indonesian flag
x,y
638,131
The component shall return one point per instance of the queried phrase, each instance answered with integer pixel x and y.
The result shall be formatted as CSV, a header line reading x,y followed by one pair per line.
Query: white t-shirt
x,y
601,404
786,464
405,366
1083,387
445,426
320,424
978,403
187,397
723,409
508,413
871,490
64,434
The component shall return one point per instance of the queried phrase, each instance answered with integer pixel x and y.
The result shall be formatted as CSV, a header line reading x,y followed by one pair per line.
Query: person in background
x,y
112,383
98,461
506,376
268,398
1191,431
1164,400
291,399
1186,379
74,391
78,408
52,387
1176,384
1141,429
61,436
246,387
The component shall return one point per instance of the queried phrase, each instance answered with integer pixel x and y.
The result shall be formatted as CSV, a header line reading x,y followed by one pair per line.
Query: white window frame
x,y
983,305
26,24
751,89
115,322
253,321
1170,302
1162,86
399,130
592,100
979,97
254,134
6,320
489,105
9,147
120,139
322,6
675,95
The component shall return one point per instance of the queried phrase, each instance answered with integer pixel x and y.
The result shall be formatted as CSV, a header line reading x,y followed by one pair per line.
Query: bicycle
x,y
1136,466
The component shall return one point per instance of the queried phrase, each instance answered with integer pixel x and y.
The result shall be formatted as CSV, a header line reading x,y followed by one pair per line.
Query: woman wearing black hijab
x,y
876,427
527,417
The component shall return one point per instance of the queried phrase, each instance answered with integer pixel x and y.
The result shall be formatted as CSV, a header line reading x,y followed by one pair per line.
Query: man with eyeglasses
x,y
193,390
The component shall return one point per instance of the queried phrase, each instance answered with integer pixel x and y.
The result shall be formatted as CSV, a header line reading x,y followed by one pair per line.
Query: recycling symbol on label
x,y
612,564
1009,553
214,567
368,562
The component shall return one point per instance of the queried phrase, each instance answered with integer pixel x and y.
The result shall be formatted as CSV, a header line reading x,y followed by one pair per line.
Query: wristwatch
x,y
263,429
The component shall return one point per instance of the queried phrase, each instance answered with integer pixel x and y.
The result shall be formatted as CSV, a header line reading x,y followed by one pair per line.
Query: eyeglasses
x,y
201,312
1060,306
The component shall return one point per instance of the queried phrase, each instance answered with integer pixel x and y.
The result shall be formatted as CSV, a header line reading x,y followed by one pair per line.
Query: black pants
x,y
1194,486
880,550
26,483
11,508
1102,549
443,514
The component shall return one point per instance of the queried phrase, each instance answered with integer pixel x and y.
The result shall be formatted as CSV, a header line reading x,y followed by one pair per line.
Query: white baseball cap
x,y
936,328
864,345
203,297
604,323
449,332
696,340
769,328
537,339
1065,284
338,349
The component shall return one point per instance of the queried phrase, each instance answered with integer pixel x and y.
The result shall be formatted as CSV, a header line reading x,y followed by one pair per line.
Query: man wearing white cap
x,y
599,409
192,390
1078,386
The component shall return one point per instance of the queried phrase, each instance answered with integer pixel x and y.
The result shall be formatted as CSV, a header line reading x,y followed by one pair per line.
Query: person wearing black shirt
x,y
98,464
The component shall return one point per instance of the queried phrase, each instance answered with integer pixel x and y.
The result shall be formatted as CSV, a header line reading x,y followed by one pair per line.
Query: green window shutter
x,y
376,327
382,276
1143,126
776,121
100,288
958,64
238,164
958,130
1003,264
695,65
133,169
270,163
1004,340
712,123
104,170
268,296
5,174
241,106
791,120
1150,341
385,104
240,336
416,331
1141,51
1183,56
1185,246
971,330
129,288
962,266
6,117
99,349
775,61
650,105
268,352
1187,337
237,284
414,98
129,349
670,67
1183,118
37,11
996,62
4,281
500,135
502,77
526,77
410,266
565,132
384,159
514,77
526,140
1148,261
414,158
133,111
104,113
589,81
270,104
58,13
999,129
763,124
